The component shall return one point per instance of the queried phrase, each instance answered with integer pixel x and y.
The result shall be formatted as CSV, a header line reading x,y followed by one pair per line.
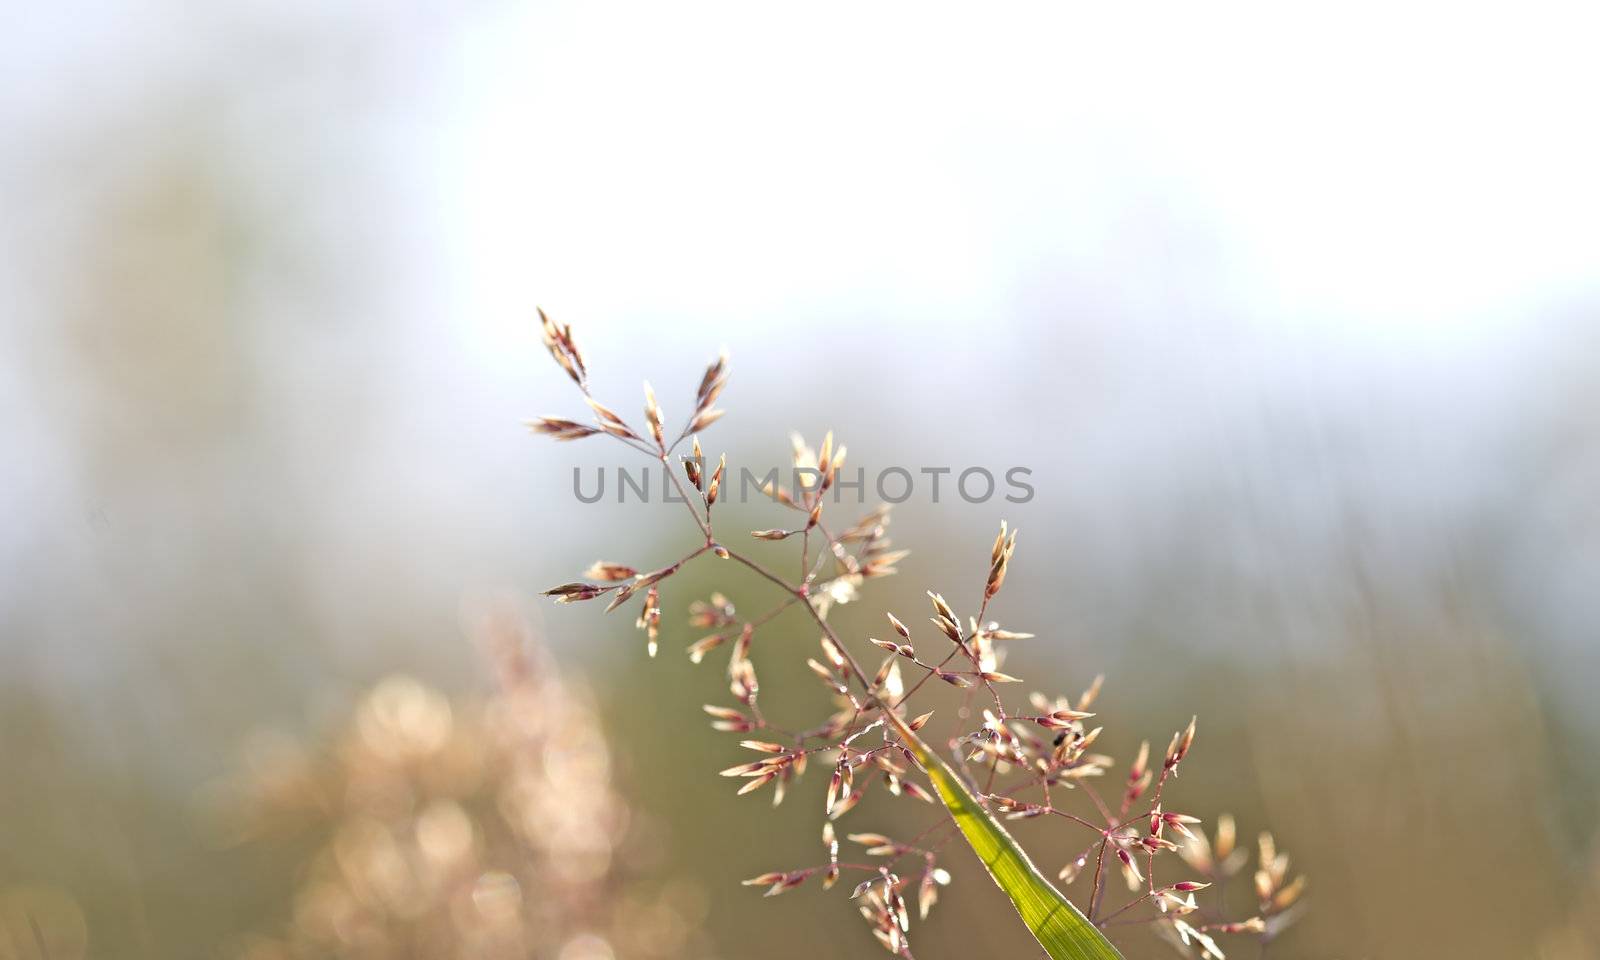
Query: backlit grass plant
x,y
1015,758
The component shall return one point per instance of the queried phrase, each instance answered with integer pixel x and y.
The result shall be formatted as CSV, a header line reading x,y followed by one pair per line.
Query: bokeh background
x,y
1292,314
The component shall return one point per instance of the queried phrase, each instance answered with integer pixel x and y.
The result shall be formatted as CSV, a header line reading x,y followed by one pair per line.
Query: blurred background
x,y
1292,314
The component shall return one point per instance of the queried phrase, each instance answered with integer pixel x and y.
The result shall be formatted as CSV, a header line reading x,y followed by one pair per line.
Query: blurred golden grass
x,y
471,828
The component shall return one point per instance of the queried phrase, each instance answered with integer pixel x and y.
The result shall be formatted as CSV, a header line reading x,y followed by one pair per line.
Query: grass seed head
x,y
652,416
1045,751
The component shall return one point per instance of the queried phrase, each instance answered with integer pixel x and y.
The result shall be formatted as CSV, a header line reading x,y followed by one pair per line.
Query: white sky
x,y
1401,170
1198,217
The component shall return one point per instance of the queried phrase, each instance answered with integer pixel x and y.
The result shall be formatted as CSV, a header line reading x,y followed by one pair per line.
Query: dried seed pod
x,y
652,416
602,570
609,421
694,464
883,564
885,762
949,628
711,384
715,486
827,677
1137,769
1052,723
1093,692
1273,863
831,844
574,592
1286,897
729,721
832,652
986,656
898,904
846,803
558,340
877,844
741,649
742,684
714,373
999,558
715,612
893,686
1180,745
1181,822
757,783
655,576
883,672
893,783
1130,868
703,646
927,895
763,746
1264,889
1186,933
1226,836
803,456
705,419
650,619
750,769
560,429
